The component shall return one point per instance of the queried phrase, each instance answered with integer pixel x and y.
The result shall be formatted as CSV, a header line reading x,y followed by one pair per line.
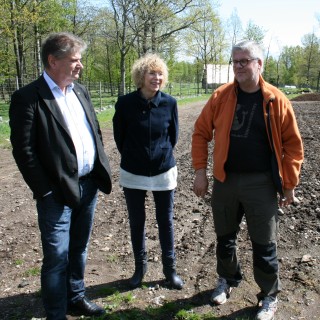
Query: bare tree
x,y
123,11
311,58
156,21
234,27
204,38
254,32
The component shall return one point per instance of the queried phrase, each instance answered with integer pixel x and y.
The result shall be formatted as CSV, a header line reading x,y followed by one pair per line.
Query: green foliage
x,y
183,72
294,92
116,39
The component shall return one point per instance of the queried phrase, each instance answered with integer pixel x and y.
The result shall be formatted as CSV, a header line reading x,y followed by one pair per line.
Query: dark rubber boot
x,y
169,270
140,271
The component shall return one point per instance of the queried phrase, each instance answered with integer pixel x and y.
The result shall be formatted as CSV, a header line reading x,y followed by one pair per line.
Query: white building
x,y
219,74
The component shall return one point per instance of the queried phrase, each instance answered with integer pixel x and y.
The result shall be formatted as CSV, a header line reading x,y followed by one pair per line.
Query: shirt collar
x,y
155,100
52,85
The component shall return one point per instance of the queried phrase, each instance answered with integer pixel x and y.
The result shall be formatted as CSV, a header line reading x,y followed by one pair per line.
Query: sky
x,y
286,21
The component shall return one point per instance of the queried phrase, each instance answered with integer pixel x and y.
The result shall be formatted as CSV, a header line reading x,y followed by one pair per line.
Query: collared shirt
x,y
77,123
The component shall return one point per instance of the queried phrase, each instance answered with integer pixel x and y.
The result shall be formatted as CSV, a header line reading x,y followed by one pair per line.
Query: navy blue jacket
x,y
146,132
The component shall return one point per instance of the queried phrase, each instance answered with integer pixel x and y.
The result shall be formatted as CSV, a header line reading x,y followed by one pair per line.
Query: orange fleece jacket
x,y
215,120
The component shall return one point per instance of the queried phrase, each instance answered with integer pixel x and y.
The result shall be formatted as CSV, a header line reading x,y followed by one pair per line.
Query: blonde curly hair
x,y
149,62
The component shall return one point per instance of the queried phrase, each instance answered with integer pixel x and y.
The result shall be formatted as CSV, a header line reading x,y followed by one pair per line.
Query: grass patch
x,y
186,100
18,262
174,311
32,272
167,308
187,315
107,291
161,314
115,300
4,110
132,314
5,135
105,116
112,258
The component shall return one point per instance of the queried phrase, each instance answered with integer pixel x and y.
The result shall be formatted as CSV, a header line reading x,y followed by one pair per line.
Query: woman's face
x,y
152,81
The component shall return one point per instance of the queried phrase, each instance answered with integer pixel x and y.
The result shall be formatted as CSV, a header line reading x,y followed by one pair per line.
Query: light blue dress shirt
x,y
78,125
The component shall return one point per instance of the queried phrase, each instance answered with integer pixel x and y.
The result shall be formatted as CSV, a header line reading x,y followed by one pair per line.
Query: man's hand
x,y
200,185
288,198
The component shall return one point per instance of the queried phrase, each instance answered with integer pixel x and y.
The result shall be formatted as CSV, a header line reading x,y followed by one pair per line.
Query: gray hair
x,y
60,45
253,48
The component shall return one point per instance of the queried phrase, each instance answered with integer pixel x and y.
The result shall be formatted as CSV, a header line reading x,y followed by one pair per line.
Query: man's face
x,y
65,70
246,68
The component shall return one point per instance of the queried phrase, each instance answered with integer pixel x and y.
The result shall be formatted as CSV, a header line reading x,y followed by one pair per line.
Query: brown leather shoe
x,y
87,308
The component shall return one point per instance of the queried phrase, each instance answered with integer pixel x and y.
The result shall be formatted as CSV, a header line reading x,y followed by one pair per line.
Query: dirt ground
x,y
110,262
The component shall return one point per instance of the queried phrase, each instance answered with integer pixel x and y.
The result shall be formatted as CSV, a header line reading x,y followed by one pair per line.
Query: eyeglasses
x,y
243,62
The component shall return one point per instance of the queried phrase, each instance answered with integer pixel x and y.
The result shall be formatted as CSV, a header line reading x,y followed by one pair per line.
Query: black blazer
x,y
43,148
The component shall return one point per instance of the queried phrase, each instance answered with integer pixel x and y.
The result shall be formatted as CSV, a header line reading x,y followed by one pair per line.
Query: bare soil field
x,y
110,262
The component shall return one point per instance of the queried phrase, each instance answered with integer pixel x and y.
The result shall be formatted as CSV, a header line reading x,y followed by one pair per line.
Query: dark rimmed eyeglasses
x,y
243,62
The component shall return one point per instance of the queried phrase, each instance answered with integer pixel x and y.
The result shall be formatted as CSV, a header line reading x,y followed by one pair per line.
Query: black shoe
x,y
87,308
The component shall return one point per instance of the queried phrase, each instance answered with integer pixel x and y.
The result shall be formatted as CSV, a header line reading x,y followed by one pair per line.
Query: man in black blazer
x,y
57,145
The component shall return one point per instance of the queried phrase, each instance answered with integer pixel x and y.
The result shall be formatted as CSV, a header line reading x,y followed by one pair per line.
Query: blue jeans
x,y
65,235
164,201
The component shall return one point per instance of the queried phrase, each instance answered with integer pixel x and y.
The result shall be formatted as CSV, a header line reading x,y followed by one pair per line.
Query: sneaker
x,y
221,293
268,308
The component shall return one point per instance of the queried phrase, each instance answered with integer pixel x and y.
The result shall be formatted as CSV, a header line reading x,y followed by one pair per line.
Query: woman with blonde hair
x,y
145,126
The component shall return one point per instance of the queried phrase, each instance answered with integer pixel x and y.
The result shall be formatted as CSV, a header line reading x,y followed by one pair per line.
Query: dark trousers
x,y
254,196
164,201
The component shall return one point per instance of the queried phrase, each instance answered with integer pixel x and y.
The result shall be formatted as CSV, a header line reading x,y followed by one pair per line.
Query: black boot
x,y
169,270
140,271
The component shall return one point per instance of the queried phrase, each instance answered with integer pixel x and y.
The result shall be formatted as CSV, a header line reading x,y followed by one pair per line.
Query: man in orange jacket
x,y
257,152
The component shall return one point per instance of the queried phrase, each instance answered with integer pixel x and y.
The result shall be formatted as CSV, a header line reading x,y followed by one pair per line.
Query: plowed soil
x,y
110,262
